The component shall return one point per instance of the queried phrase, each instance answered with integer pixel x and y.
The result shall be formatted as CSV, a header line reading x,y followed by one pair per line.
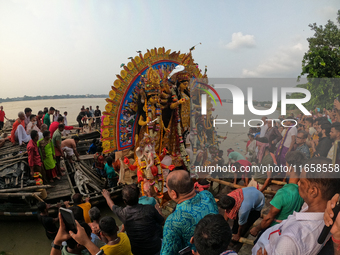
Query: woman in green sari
x,y
47,154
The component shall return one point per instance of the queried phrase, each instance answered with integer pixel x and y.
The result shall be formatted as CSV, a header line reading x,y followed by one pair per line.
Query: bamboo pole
x,y
229,184
246,241
86,167
12,157
9,161
26,188
236,186
6,195
70,183
37,197
90,174
279,182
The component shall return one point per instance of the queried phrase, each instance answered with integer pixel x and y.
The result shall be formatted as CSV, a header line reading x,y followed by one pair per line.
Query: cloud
x,y
286,62
238,41
328,12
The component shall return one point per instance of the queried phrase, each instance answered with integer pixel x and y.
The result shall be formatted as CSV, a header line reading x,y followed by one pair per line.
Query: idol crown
x,y
152,85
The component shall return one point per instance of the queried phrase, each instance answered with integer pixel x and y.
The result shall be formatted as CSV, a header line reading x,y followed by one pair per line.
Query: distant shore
x,y
31,98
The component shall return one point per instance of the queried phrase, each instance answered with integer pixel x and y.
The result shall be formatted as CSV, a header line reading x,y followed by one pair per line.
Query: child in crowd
x,y
201,185
99,162
94,214
111,174
93,147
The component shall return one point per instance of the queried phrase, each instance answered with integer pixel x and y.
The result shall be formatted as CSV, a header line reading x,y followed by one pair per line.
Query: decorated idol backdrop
x,y
150,114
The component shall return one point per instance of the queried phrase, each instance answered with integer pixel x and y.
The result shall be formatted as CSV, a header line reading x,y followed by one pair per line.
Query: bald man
x,y
191,208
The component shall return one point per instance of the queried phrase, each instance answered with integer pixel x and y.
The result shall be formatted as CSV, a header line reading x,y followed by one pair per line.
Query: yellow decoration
x,y
112,94
106,121
130,66
146,55
108,107
123,73
106,145
105,133
117,83
168,52
153,53
160,50
137,59
181,56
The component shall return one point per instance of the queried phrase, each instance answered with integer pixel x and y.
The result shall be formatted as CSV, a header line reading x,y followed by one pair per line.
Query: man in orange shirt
x,y
78,201
2,117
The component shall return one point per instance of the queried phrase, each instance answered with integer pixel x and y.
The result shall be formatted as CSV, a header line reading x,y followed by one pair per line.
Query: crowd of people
x,y
92,116
42,133
195,225
297,213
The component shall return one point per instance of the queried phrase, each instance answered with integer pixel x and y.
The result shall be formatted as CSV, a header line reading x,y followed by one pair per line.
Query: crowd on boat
x,y
42,134
304,145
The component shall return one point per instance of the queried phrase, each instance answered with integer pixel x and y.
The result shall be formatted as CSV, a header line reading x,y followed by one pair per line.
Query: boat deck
x,y
61,189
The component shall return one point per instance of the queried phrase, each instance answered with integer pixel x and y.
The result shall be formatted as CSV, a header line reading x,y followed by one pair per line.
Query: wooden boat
x,y
18,200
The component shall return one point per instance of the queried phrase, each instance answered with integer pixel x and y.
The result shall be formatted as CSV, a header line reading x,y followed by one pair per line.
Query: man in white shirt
x,y
65,118
335,230
56,115
264,127
300,232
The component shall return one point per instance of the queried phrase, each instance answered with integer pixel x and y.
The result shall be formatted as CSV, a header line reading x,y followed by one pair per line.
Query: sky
x,y
77,46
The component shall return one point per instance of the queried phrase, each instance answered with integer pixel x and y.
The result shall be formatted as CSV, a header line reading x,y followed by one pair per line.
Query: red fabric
x,y
132,167
248,143
140,176
237,194
33,154
2,116
39,123
54,127
50,174
244,162
154,170
99,161
57,152
201,187
15,126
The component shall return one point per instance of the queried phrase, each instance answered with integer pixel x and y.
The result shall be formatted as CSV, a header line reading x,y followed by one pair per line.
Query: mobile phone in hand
x,y
68,219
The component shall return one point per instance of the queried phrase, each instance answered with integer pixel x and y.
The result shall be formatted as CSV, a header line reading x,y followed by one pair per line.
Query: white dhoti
x,y
69,151
21,136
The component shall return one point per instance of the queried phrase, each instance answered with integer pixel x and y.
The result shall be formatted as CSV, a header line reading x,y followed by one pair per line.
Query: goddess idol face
x,y
153,99
183,85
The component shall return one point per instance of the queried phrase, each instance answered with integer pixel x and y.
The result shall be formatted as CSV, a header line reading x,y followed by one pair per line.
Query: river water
x,y
71,106
28,237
